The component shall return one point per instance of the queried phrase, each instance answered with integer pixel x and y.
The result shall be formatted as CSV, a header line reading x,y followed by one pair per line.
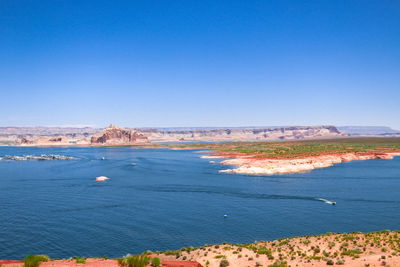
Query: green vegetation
x,y
81,260
224,263
220,257
155,262
332,248
279,264
134,261
35,260
296,149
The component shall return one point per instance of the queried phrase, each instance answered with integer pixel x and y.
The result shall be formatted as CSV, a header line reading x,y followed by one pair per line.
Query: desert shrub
x,y
172,252
80,260
279,264
330,262
188,249
351,252
220,256
266,251
135,261
224,263
35,260
155,262
340,262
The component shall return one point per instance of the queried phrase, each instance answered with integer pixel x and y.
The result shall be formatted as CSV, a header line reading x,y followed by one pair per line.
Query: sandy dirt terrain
x,y
356,249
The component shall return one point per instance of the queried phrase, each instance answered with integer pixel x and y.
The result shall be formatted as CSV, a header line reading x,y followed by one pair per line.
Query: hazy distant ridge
x,y
368,130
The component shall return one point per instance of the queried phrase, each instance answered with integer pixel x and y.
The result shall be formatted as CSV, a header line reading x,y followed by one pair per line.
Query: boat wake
x,y
232,192
327,201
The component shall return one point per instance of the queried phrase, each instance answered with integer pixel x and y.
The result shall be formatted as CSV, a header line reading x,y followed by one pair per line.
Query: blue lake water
x,y
173,199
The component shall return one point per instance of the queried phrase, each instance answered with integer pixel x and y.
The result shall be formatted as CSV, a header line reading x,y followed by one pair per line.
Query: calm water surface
x,y
171,199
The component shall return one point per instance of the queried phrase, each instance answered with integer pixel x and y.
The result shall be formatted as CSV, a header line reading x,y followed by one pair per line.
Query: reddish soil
x,y
94,263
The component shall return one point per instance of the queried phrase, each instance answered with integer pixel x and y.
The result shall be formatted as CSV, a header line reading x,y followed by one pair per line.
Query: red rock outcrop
x,y
114,135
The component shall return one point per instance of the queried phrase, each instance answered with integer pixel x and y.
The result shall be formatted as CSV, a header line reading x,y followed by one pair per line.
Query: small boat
x,y
225,215
102,178
103,158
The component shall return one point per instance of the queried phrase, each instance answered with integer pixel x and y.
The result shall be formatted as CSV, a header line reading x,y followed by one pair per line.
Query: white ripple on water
x,y
327,201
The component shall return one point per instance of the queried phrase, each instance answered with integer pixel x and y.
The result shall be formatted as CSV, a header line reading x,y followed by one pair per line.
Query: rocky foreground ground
x,y
355,249
332,249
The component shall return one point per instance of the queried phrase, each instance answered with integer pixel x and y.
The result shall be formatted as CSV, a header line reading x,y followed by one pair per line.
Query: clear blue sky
x,y
199,63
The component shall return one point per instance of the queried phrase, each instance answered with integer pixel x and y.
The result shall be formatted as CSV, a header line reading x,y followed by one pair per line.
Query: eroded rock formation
x,y
114,135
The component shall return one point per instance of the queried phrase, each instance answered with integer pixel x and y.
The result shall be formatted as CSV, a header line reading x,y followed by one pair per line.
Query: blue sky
x,y
199,63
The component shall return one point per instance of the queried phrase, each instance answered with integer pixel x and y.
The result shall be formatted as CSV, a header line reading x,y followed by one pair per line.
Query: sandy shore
x,y
247,164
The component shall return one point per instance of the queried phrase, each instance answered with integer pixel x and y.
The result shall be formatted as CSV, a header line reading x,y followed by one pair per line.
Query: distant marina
x,y
34,157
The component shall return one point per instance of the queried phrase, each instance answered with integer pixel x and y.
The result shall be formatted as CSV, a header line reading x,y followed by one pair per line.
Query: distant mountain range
x,y
369,130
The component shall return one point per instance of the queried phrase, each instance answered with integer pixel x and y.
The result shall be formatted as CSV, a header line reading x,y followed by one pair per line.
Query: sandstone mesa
x,y
113,135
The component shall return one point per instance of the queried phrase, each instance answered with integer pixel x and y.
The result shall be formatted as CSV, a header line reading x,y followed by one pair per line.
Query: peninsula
x,y
265,158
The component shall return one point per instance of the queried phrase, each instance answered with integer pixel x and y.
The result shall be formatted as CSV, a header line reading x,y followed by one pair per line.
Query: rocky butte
x,y
114,135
